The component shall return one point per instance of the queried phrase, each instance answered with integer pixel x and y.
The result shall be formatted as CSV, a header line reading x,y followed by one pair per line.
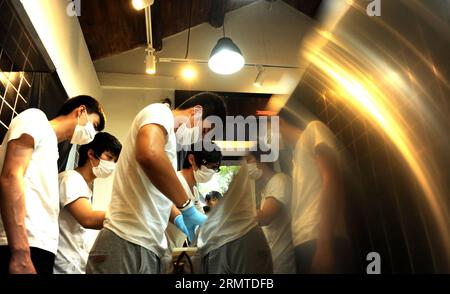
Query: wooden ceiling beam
x,y
112,26
308,7
217,13
157,25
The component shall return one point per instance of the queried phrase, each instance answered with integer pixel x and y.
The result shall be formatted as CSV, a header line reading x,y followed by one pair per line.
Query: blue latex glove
x,y
193,218
179,223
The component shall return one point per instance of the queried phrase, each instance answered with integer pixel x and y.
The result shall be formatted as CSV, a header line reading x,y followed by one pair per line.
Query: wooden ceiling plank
x,y
111,27
217,13
308,7
157,25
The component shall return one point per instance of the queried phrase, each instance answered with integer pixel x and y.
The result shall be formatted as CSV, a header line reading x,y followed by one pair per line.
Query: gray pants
x,y
114,255
249,254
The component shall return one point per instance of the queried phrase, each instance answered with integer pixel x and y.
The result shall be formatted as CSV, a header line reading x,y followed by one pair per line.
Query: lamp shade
x,y
226,58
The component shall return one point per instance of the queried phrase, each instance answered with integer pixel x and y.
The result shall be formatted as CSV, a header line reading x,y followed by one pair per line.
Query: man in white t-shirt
x,y
29,199
274,211
318,227
146,187
96,160
198,167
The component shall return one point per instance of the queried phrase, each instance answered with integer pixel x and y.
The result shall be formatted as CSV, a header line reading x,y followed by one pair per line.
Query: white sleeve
x,y
322,135
71,188
159,114
31,122
279,189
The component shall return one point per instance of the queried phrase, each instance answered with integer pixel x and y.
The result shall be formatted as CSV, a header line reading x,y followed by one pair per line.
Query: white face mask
x,y
83,134
104,169
189,135
253,171
203,174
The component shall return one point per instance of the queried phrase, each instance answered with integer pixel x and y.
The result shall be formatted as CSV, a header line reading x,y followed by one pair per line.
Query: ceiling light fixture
x,y
141,4
259,77
150,61
150,57
226,57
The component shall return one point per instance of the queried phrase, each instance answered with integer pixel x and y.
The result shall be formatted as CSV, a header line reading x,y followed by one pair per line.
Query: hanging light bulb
x,y
189,73
141,4
226,58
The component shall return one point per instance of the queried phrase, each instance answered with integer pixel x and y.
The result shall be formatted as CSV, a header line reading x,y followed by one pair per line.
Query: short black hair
x,y
102,142
203,156
212,104
168,101
92,106
213,194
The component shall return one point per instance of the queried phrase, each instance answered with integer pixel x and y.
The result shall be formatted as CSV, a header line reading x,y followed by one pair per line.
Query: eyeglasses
x,y
213,166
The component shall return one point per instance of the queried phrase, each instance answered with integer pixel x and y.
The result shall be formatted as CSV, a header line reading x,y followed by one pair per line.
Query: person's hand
x,y
193,218
20,263
179,223
323,261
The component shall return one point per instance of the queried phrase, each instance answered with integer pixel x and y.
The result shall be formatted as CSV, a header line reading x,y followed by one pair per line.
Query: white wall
x,y
64,42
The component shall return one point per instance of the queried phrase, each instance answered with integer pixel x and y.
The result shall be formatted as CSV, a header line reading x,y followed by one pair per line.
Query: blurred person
x,y
211,199
96,160
198,167
318,227
146,187
273,212
231,241
29,198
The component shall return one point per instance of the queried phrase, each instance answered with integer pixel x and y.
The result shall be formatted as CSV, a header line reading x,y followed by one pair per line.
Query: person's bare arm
x,y
271,208
12,203
330,198
173,214
152,158
82,211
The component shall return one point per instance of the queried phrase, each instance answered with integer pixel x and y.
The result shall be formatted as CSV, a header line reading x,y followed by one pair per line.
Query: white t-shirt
x,y
278,233
307,183
233,217
72,252
176,237
40,180
138,211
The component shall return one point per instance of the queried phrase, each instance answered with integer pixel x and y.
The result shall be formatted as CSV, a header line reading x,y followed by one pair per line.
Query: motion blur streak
x,y
375,84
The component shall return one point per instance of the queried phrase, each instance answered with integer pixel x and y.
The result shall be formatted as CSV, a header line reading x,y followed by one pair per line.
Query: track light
x,y
150,61
259,78
150,57
141,4
226,58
